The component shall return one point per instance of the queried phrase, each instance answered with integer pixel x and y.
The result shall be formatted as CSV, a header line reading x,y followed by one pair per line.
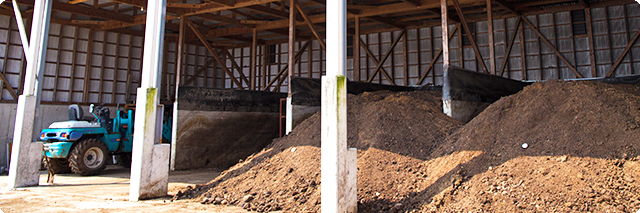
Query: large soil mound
x,y
582,155
392,131
578,137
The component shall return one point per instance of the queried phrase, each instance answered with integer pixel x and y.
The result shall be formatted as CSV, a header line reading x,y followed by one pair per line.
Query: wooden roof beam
x,y
583,3
225,20
85,11
508,6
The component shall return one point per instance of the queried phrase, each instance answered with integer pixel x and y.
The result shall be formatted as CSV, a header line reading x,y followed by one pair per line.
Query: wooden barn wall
x,y
85,66
613,27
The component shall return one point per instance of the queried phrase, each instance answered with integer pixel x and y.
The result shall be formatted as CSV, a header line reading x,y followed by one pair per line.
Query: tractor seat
x,y
77,114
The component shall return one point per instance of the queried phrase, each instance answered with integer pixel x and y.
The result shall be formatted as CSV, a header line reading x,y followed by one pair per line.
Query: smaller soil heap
x,y
394,133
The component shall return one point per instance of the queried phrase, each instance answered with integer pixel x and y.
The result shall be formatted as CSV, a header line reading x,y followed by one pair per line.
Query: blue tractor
x,y
84,145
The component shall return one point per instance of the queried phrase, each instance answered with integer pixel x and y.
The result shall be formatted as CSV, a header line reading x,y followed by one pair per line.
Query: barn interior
x,y
234,76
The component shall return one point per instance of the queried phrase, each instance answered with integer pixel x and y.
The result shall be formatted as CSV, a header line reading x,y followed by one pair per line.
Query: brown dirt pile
x,y
393,140
583,140
582,155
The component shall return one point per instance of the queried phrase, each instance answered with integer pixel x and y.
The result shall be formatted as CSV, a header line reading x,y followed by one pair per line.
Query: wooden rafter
x,y
479,58
213,53
286,66
544,39
508,52
86,11
313,28
623,54
435,57
385,57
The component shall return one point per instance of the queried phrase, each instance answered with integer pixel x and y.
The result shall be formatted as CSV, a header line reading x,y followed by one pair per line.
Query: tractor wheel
x,y
58,165
89,157
124,160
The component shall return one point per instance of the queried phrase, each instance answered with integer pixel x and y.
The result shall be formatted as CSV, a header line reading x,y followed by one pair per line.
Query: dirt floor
x,y
108,192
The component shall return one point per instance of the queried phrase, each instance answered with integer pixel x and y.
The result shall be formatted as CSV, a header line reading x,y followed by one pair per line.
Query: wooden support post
x,y
592,50
356,51
466,29
552,47
623,54
253,61
87,69
523,52
73,65
180,56
292,43
492,50
509,46
405,60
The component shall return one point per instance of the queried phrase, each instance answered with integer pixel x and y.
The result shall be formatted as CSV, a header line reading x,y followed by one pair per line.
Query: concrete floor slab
x,y
108,192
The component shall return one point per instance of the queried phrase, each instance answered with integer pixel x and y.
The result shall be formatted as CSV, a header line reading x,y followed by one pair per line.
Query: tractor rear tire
x,y
124,160
58,165
89,157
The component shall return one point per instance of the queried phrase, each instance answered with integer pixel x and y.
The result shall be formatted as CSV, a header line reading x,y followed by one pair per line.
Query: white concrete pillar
x,y
150,159
26,157
289,115
339,168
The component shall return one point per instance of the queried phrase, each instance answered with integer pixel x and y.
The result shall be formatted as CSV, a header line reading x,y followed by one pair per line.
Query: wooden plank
x,y
114,81
4,67
385,57
311,26
405,61
573,69
292,43
253,61
73,64
180,54
435,58
356,51
87,69
284,69
507,6
523,52
479,58
202,69
492,49
583,3
86,11
236,66
512,40
215,55
101,84
623,54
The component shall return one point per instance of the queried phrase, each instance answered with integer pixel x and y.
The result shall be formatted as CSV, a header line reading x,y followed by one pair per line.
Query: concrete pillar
x,y
150,159
26,157
339,168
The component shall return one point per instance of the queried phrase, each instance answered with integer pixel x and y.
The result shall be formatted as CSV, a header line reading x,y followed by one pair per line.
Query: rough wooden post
x,y
292,62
